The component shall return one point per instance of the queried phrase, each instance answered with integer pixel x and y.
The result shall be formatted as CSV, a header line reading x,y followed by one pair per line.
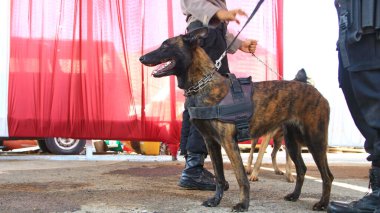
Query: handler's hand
x,y
248,46
230,15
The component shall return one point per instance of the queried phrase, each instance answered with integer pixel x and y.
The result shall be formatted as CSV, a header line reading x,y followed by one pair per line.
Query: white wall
x,y
310,34
4,64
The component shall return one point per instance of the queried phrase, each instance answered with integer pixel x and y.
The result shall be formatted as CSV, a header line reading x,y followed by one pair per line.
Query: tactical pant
x,y
362,93
214,45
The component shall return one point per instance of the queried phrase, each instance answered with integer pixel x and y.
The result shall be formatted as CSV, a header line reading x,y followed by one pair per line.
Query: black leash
x,y
218,62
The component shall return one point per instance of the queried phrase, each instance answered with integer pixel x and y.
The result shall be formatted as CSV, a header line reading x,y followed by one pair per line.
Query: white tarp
x,y
4,64
310,35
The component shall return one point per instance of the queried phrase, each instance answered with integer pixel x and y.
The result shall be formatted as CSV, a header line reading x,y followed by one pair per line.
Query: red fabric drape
x,y
74,69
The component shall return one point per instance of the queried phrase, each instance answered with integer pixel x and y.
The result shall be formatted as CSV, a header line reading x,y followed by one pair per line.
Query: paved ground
x,y
135,183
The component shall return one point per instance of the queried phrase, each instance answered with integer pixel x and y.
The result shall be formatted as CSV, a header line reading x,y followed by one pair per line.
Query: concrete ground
x,y
136,183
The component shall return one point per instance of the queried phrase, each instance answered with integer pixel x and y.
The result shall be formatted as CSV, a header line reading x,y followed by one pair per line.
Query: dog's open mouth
x,y
164,69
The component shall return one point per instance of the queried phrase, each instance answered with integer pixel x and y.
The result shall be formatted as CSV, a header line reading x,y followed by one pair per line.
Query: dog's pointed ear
x,y
193,36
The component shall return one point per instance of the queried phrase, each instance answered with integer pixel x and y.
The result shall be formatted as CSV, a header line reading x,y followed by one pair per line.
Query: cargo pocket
x,y
368,14
354,32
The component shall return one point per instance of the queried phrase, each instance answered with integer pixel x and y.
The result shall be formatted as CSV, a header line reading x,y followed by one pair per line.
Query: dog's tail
x,y
301,76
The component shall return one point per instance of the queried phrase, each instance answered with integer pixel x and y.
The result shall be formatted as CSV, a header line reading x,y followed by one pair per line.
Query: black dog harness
x,y
236,107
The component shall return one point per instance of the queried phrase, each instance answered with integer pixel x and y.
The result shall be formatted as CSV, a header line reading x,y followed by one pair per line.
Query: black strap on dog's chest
x,y
235,108
242,119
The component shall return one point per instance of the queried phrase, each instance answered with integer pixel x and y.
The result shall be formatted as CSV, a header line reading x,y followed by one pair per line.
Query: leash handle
x,y
218,62
248,20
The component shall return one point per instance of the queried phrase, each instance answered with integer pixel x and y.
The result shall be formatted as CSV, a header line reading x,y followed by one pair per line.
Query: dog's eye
x,y
164,46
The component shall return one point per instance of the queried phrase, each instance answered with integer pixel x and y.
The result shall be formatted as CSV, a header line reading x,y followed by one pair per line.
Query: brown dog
x,y
277,137
298,107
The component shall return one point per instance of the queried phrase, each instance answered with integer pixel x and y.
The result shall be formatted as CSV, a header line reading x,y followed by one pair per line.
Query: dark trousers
x,y
362,93
214,45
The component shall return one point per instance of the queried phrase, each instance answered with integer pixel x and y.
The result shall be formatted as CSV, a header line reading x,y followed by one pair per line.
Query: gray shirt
x,y
204,11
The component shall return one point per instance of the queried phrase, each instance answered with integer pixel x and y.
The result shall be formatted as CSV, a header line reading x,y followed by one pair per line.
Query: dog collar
x,y
199,85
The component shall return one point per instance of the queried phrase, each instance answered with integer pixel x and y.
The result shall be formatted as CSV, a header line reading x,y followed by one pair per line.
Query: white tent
x,y
4,63
310,35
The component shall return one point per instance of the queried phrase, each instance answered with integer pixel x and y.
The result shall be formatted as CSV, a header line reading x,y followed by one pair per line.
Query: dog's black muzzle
x,y
142,59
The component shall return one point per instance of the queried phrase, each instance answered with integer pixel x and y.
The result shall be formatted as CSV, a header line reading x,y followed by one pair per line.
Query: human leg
x,y
366,87
185,129
362,95
194,175
369,203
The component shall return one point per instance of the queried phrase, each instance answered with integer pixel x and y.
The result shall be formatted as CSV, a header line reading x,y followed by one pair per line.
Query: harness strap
x,y
236,107
242,128
237,92
219,111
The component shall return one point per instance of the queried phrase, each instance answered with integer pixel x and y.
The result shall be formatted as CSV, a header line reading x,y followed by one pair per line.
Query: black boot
x,y
194,176
369,203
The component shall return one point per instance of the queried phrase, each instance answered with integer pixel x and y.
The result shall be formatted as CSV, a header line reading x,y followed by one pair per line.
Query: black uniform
x,y
359,67
359,78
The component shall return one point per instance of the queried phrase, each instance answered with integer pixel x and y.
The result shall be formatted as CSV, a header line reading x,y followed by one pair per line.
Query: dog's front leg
x,y
214,150
233,152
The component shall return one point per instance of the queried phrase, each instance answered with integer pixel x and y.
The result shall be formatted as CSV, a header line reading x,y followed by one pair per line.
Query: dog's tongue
x,y
161,68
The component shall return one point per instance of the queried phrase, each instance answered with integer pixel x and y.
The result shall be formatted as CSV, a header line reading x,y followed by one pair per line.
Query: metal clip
x,y
218,63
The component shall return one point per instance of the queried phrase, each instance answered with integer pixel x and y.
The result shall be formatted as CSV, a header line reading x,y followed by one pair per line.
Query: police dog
x,y
297,106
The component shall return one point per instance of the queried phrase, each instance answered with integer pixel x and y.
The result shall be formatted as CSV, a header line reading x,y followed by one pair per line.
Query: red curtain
x,y
74,69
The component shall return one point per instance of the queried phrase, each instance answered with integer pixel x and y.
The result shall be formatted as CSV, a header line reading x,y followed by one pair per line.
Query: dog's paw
x,y
290,178
253,178
320,206
226,186
248,170
240,207
292,197
212,202
278,172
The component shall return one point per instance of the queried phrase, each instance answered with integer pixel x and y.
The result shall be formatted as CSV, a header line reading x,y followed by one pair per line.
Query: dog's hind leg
x,y
276,147
277,143
317,145
256,168
293,139
248,168
288,167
